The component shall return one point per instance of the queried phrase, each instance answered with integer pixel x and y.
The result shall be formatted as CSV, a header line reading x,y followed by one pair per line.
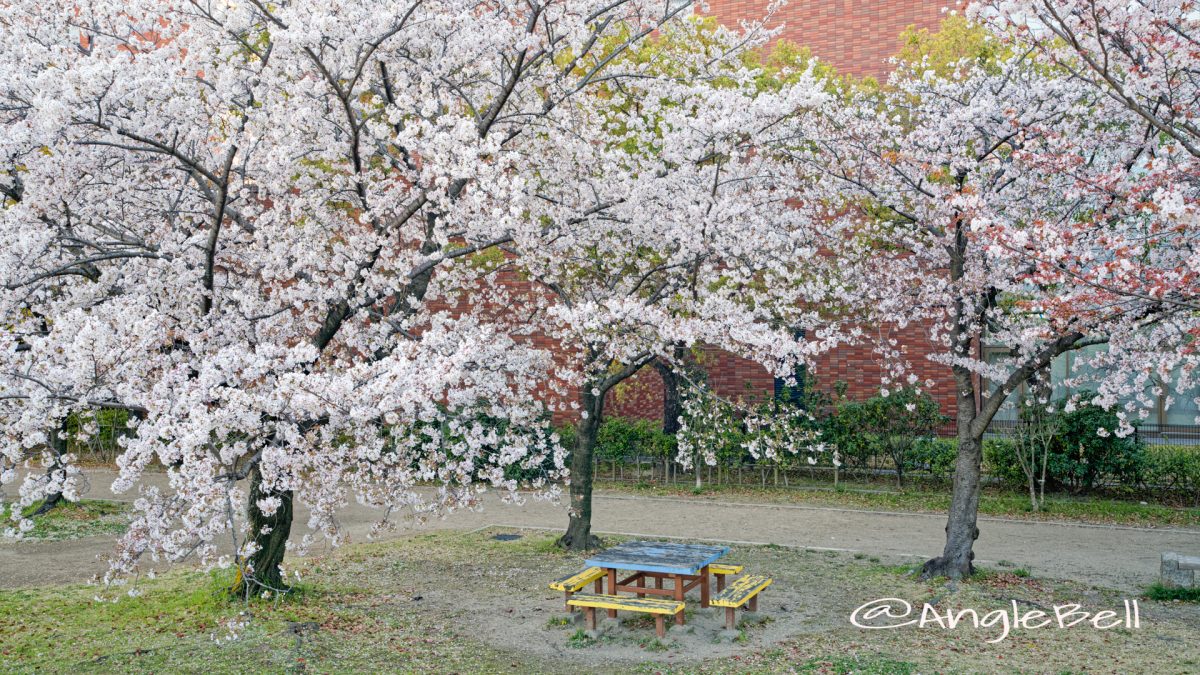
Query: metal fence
x,y
1149,434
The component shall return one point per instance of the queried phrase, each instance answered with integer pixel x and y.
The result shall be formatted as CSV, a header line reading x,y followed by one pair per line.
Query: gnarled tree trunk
x,y
58,446
261,571
961,529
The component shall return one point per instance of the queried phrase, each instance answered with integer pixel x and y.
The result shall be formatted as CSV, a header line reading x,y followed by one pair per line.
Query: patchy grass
x,y
72,520
1176,594
181,622
456,602
858,665
877,497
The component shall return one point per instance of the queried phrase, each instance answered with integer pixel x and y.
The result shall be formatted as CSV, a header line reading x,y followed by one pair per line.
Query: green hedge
x,y
1151,468
1080,461
1173,467
623,440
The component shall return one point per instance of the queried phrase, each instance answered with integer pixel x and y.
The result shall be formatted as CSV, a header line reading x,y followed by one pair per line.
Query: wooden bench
x,y
659,607
742,591
721,570
573,583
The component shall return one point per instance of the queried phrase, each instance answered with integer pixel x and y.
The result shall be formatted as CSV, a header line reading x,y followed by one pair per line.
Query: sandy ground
x,y
1117,557
501,599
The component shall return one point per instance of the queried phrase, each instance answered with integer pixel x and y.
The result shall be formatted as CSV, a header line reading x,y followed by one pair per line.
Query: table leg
x,y
612,589
704,586
658,583
640,582
678,596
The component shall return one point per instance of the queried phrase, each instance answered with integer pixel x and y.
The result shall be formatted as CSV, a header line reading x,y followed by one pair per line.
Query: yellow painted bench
x,y
720,571
742,591
659,607
573,583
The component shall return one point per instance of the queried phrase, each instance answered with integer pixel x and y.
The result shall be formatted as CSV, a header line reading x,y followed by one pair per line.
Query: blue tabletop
x,y
657,556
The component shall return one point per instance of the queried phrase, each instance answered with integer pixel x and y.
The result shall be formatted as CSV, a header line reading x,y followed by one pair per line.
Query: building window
x,y
1074,365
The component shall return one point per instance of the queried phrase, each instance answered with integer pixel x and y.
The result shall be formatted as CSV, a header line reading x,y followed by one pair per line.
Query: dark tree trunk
x,y
58,445
261,571
578,536
48,504
962,529
672,405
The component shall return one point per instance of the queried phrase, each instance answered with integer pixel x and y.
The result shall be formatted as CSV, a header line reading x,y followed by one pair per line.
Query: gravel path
x,y
1112,556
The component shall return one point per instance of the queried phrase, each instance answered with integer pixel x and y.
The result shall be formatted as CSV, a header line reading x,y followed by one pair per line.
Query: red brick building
x,y
857,37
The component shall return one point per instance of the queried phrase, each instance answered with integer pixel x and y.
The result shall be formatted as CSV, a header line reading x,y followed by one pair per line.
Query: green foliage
x,y
1088,452
1000,462
73,520
93,435
1081,457
937,456
1173,468
856,664
955,40
1171,594
885,425
625,439
580,639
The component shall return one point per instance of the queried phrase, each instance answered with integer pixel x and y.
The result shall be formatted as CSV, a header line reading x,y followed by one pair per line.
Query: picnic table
x,y
686,565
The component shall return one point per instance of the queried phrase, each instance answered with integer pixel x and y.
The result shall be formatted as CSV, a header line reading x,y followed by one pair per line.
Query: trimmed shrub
x,y
1000,462
1173,468
1087,452
935,456
621,439
885,426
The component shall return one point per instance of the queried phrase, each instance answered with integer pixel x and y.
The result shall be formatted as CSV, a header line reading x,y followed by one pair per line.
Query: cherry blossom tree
x,y
247,224
977,195
670,233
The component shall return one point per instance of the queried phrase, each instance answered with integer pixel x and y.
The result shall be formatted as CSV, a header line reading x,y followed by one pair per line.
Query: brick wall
x,y
856,36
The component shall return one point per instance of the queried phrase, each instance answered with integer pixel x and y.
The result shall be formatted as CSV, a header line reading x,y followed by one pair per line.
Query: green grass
x,y
881,497
1165,594
463,602
179,623
867,665
72,520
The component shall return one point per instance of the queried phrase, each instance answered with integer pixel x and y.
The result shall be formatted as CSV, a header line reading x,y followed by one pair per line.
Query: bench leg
x,y
660,625
720,582
567,600
754,603
590,613
730,618
679,597
612,589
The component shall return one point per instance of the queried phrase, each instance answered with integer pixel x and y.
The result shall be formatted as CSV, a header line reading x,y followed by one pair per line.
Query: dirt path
x,y
1112,556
